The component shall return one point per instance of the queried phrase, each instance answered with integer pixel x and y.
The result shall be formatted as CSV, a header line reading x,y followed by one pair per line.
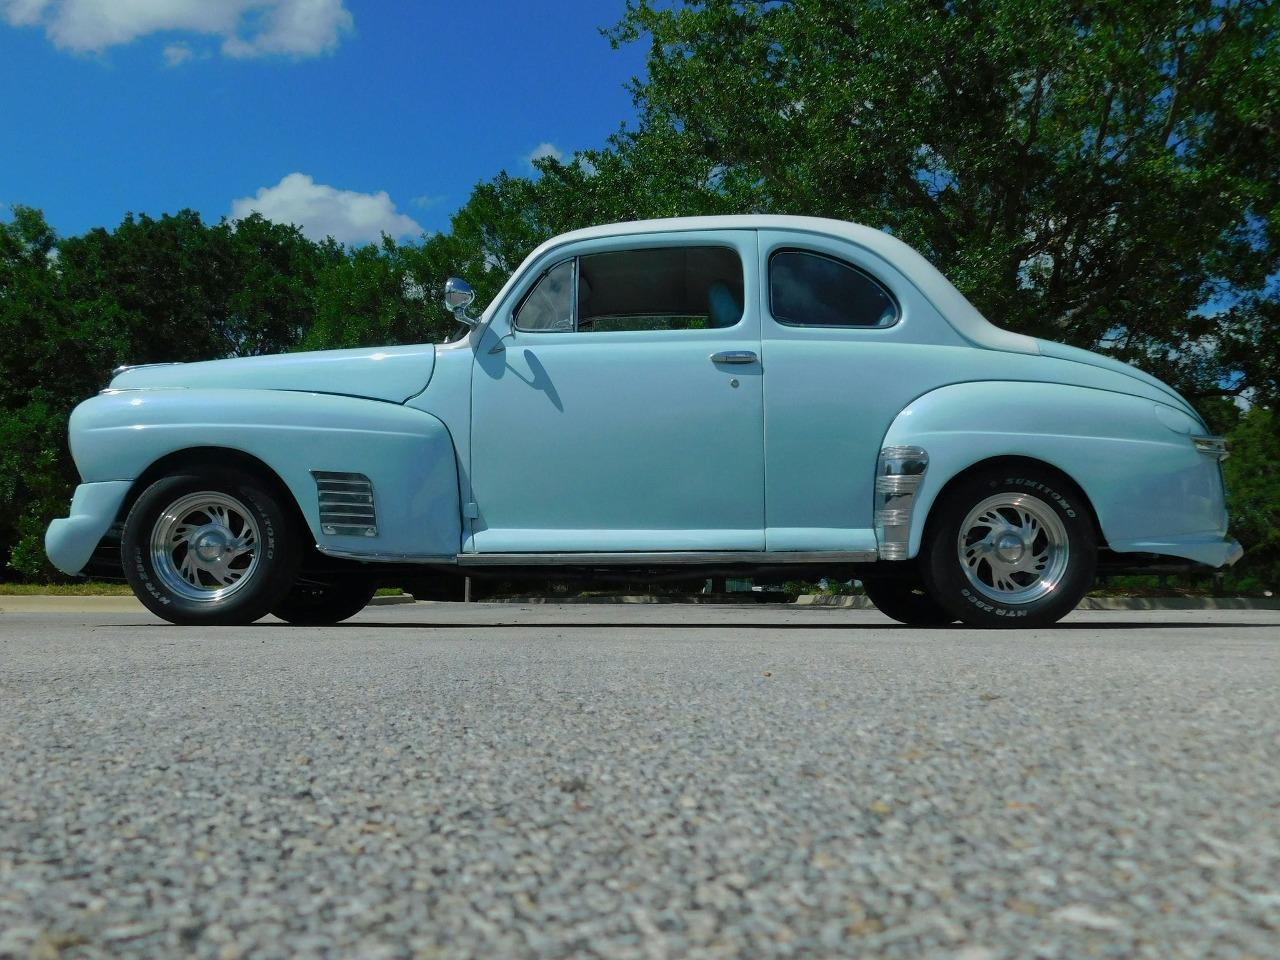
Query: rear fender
x,y
1145,482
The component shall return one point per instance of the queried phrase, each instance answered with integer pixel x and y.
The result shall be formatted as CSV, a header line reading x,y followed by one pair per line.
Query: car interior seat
x,y
723,308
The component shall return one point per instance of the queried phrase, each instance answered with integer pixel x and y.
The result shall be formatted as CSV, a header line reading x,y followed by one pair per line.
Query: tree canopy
x,y
1105,174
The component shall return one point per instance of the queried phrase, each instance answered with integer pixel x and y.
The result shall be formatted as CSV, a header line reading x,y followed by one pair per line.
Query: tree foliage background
x,y
1105,174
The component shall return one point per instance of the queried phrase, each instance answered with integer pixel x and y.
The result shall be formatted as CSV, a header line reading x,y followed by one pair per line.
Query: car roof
x,y
937,289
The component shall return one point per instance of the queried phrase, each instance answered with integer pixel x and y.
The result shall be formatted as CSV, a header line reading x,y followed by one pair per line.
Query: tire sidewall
x,y
277,559
898,600
946,578
311,605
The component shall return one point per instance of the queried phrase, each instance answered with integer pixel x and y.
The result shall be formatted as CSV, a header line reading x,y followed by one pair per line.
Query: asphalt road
x,y
640,781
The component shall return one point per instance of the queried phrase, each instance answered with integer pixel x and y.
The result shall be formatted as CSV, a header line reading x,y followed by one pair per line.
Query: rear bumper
x,y
1210,549
70,541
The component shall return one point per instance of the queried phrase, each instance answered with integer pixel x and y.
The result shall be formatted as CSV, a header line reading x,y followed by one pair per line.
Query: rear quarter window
x,y
808,289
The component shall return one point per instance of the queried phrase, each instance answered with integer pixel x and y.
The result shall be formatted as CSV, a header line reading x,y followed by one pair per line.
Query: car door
x,y
617,401
847,342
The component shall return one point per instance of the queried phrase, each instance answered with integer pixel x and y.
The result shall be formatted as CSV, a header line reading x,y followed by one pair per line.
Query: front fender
x,y
407,454
1149,487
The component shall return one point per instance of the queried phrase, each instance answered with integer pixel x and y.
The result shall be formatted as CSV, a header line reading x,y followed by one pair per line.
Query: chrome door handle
x,y
734,356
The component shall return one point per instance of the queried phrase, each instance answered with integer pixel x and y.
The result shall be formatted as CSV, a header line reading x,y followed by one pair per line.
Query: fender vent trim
x,y
346,504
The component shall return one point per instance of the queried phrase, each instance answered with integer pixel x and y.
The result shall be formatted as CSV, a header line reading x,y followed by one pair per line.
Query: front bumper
x,y
70,542
1210,549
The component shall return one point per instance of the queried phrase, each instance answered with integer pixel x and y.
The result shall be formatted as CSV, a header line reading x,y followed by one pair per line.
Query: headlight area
x,y
1215,447
1178,421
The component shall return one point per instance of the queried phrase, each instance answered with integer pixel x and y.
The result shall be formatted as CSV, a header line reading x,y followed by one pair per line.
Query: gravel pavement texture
x,y
440,781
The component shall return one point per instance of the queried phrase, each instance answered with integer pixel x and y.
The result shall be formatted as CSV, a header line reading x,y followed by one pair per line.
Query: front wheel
x,y
323,604
1010,547
213,547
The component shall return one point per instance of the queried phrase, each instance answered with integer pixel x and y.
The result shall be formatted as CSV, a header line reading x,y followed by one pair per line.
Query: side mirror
x,y
457,297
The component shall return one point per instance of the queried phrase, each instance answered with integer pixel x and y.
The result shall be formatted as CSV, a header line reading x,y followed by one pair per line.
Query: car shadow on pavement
x,y
1147,625
722,625
726,624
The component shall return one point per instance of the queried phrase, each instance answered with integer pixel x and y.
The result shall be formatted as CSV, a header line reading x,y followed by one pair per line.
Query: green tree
x,y
1252,474
36,474
36,480
153,289
373,296
1107,174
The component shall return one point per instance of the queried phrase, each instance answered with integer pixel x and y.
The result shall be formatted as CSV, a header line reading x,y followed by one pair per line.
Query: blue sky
x,y
309,110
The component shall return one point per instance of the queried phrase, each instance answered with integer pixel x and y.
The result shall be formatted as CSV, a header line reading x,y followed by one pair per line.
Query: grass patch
x,y
90,589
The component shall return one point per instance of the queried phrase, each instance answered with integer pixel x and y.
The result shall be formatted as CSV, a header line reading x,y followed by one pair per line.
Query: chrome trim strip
x,y
1215,447
126,367
898,484
673,557
339,554
903,453
899,474
111,391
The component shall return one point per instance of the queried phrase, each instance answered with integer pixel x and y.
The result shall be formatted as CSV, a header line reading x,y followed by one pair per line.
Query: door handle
x,y
734,356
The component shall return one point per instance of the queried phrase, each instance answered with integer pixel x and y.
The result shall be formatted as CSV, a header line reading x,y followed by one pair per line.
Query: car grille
x,y
346,504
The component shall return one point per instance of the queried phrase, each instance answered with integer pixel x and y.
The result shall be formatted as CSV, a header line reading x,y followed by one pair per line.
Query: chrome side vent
x,y
899,473
346,504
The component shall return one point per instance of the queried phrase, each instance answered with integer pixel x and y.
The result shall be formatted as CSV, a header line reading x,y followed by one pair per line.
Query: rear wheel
x,y
906,600
214,547
322,604
1010,547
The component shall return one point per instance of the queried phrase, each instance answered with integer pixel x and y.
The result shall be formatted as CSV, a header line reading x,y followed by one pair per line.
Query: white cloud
x,y
298,28
23,13
247,28
176,54
322,211
545,150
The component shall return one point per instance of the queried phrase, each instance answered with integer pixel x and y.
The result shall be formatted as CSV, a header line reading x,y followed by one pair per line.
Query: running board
x,y
663,558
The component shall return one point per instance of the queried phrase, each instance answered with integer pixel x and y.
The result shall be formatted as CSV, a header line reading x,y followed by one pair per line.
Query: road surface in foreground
x,y
437,780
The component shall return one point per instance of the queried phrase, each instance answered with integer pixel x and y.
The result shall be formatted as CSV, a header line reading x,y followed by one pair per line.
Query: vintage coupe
x,y
778,397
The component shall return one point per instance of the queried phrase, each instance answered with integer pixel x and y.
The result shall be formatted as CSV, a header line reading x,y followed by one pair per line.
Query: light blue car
x,y
777,397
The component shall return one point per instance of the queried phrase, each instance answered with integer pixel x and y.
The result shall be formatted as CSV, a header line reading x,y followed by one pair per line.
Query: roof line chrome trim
x,y
126,367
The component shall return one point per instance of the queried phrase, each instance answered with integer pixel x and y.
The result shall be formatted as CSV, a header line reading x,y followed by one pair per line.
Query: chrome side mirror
x,y
457,297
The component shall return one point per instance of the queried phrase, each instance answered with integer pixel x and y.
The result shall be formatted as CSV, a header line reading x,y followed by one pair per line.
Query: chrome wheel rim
x,y
1013,548
204,547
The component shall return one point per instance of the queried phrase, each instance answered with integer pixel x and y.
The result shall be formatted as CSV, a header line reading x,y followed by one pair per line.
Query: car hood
x,y
393,374
1060,351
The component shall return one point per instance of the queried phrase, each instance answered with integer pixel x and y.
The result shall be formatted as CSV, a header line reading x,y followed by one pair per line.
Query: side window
x,y
813,290
665,288
549,305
